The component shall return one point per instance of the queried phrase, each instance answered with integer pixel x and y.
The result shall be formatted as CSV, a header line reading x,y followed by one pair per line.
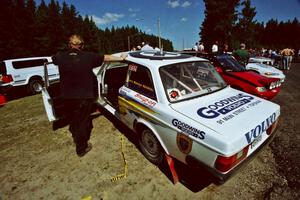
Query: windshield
x,y
186,80
230,64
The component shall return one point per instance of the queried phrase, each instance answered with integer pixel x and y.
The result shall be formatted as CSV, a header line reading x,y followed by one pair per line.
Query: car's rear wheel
x,y
150,147
35,86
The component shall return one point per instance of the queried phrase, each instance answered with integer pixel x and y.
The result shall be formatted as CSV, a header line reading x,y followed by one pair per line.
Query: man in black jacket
x,y
77,88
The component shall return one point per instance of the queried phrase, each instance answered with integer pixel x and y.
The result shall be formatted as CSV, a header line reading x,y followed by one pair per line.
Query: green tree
x,y
245,28
220,17
6,27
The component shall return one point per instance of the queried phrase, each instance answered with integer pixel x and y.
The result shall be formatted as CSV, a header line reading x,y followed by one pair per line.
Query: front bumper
x,y
269,94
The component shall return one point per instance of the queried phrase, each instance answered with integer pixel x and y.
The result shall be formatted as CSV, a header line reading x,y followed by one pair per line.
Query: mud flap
x,y
172,168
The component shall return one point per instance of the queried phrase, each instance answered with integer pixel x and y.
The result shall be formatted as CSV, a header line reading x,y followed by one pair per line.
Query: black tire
x,y
35,86
151,147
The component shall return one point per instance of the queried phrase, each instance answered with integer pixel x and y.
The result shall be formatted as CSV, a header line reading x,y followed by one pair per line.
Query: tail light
x,y
6,78
224,164
271,129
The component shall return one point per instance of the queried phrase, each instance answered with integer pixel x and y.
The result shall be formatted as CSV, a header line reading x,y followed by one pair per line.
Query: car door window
x,y
140,80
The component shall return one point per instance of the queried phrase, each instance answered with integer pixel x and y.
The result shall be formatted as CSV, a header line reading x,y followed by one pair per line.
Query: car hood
x,y
266,70
252,77
229,115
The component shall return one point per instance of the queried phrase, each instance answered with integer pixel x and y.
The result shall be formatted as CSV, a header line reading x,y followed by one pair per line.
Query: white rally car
x,y
266,70
261,59
179,105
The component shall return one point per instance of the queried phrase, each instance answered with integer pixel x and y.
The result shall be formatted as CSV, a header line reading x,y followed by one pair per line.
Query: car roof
x,y
157,58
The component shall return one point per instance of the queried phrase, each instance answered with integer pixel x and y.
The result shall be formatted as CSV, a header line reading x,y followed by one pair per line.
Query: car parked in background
x,y
262,60
266,70
27,72
179,105
242,79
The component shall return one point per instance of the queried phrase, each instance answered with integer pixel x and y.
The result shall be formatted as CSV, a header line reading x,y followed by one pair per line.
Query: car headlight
x,y
278,83
272,85
261,89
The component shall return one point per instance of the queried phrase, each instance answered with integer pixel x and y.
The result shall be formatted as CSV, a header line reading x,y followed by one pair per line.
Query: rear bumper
x,y
221,178
4,87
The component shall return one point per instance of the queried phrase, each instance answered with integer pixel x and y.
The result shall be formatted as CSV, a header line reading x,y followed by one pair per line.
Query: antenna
x,y
159,40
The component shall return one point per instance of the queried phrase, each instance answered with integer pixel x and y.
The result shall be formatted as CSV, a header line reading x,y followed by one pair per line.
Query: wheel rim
x,y
37,87
150,143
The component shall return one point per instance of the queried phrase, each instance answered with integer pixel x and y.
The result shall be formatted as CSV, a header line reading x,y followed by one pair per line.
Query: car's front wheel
x,y
151,147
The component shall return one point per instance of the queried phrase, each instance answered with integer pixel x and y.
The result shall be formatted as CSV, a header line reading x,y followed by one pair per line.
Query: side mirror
x,y
219,69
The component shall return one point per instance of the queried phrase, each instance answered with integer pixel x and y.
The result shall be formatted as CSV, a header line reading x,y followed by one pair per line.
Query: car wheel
x,y
35,86
151,147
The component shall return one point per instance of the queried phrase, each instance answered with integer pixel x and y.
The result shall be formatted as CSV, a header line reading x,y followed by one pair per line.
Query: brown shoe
x,y
87,149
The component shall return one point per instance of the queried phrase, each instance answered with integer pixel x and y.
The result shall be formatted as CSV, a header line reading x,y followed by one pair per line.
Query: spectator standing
x,y
77,89
215,47
287,54
196,47
147,47
201,47
242,55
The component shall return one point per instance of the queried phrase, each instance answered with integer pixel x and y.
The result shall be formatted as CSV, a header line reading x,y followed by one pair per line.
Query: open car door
x,y
51,97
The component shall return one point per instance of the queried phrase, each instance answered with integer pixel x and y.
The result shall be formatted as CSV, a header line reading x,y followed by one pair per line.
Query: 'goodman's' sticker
x,y
224,106
188,129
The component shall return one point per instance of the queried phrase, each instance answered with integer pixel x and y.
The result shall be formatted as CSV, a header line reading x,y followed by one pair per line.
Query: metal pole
x,y
159,40
128,40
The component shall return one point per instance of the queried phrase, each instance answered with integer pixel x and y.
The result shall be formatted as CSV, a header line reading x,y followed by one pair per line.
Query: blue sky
x,y
180,20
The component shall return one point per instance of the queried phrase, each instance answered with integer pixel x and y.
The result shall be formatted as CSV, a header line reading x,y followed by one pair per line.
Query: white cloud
x,y
183,19
132,15
185,4
107,18
134,9
173,4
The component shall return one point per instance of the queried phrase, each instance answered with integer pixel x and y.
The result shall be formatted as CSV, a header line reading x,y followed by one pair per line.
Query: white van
x,y
26,72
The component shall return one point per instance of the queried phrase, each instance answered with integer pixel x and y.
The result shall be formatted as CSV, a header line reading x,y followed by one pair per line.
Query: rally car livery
x,y
180,106
266,70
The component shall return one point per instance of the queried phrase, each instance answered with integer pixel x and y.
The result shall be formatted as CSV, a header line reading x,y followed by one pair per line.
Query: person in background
x,y
195,48
147,47
201,47
286,53
77,88
215,47
241,54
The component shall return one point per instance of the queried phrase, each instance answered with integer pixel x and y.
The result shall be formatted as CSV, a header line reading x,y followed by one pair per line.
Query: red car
x,y
239,78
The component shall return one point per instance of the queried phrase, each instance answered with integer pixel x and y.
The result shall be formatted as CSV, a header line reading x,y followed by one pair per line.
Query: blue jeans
x,y
285,61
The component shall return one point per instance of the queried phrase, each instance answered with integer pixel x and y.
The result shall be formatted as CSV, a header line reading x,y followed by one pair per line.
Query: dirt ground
x,y
38,163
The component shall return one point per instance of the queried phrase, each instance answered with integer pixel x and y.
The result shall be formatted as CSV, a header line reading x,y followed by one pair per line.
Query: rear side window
x,y
2,68
140,80
29,63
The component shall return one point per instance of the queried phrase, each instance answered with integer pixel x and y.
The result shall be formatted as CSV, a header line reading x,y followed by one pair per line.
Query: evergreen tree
x,y
220,17
245,28
6,27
